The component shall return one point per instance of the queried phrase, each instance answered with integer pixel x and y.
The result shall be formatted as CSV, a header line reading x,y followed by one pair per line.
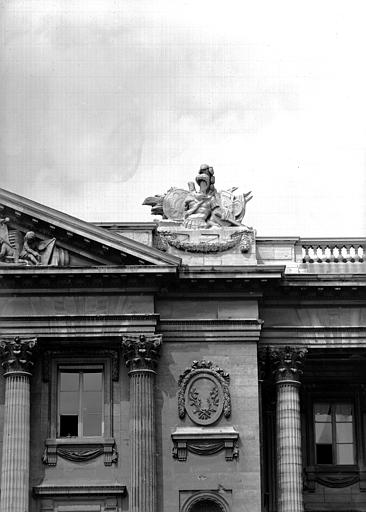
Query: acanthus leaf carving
x,y
17,354
287,362
141,352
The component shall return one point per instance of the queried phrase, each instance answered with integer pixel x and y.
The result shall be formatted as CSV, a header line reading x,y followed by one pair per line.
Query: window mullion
x,y
80,422
58,402
334,434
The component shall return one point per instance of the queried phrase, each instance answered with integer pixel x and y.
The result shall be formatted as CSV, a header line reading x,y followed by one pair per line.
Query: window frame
x,y
335,401
81,370
332,475
71,362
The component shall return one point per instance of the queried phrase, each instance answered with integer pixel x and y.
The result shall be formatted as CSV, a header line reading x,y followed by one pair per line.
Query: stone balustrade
x,y
333,251
300,254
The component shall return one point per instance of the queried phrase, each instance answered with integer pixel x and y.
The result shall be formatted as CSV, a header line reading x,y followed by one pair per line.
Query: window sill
x,y
333,476
76,449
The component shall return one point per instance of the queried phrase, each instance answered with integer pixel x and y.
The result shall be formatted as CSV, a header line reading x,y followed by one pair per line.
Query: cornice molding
x,y
315,336
51,491
71,326
191,329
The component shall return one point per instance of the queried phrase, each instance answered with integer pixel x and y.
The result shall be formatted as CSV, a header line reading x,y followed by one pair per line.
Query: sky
x,y
106,102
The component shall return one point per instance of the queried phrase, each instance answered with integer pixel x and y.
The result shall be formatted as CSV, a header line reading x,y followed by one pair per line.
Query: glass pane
x,y
92,424
322,412
92,381
323,433
344,433
92,402
69,402
343,412
324,454
68,426
69,381
345,454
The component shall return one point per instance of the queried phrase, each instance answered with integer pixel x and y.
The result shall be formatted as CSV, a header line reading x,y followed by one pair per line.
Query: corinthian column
x,y
141,355
287,363
17,354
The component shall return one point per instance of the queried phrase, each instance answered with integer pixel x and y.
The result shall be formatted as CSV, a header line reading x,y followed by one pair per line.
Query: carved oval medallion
x,y
204,399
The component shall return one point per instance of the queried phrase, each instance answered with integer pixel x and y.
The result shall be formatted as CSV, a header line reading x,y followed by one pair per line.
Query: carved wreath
x,y
213,402
204,411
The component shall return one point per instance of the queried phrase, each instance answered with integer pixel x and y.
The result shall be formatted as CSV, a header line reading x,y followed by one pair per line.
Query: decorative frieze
x,y
141,352
204,393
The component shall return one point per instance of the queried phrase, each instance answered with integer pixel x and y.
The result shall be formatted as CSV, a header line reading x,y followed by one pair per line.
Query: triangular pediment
x,y
63,240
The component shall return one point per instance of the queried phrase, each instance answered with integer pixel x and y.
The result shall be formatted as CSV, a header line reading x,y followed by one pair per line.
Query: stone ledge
x,y
205,441
80,450
52,491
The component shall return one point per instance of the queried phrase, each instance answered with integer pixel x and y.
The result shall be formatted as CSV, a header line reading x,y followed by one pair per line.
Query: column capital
x,y
287,363
141,352
17,354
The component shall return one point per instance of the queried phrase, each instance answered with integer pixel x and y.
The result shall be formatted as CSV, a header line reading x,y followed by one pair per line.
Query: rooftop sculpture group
x,y
186,213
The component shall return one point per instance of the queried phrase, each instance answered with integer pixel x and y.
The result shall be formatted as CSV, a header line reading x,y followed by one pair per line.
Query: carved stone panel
x,y
79,451
204,393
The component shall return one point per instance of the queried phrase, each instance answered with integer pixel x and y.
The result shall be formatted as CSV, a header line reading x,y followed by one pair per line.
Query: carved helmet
x,y
206,174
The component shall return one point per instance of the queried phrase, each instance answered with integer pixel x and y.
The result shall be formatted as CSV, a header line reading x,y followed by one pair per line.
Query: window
x,y
80,405
206,506
334,433
80,402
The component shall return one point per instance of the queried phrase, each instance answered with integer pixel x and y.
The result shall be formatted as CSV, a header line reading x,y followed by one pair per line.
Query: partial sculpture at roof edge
x,y
204,220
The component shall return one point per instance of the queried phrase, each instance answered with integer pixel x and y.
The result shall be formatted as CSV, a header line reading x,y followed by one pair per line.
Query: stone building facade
x,y
182,365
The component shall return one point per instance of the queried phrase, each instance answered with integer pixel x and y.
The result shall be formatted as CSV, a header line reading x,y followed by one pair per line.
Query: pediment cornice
x,y
94,244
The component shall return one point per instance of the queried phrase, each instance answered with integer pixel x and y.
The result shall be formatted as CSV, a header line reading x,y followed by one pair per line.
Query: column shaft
x,y
289,463
15,458
141,353
143,451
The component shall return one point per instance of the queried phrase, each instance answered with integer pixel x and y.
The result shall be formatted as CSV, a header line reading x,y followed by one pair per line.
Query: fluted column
x,y
16,354
141,356
287,363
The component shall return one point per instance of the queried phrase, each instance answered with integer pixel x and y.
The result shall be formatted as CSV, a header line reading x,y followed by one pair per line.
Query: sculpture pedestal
x,y
234,245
